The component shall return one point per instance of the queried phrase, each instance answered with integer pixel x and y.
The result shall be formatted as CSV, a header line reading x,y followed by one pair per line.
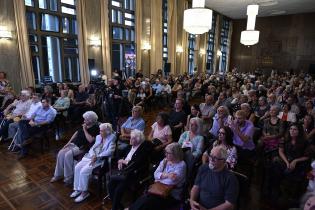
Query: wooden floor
x,y
24,184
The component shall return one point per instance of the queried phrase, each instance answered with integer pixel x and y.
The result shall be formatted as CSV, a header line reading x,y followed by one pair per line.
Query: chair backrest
x,y
243,182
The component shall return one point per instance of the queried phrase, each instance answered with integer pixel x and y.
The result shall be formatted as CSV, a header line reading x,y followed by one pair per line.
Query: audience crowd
x,y
209,130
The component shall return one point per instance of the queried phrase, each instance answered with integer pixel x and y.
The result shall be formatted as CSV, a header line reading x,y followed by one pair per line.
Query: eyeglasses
x,y
221,133
214,158
168,153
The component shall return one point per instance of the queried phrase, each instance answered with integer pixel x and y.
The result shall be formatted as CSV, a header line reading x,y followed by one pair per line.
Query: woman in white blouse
x,y
104,147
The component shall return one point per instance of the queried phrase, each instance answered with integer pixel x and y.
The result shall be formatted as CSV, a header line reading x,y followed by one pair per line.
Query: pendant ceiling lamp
x,y
197,20
250,36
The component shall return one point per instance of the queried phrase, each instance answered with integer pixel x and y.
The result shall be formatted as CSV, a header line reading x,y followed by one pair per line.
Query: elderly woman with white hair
x,y
132,167
103,147
192,142
81,139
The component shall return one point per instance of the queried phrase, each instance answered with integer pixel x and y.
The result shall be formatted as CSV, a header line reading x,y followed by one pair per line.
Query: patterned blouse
x,y
231,152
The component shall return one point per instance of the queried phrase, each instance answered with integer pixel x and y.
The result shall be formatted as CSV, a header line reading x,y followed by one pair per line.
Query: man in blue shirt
x,y
42,117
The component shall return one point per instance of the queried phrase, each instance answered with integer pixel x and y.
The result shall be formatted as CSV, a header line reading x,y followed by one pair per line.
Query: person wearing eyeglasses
x,y
243,136
171,171
224,188
225,139
192,143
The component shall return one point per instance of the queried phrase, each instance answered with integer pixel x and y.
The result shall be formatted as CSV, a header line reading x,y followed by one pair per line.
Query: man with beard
x,y
216,187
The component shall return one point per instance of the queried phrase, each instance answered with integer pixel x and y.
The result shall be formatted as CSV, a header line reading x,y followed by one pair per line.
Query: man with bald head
x,y
215,186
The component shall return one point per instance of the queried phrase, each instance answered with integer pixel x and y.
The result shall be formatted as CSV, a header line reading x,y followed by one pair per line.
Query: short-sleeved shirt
x,y
132,123
216,187
177,117
248,130
161,134
80,140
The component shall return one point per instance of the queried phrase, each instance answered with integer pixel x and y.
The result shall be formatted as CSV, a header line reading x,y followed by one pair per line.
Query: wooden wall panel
x,y
286,42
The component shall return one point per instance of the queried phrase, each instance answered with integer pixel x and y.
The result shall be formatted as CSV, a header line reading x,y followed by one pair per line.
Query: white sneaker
x,y
81,198
75,194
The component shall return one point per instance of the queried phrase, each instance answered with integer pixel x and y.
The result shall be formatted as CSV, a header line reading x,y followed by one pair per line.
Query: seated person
x,y
192,143
15,111
78,143
161,133
293,158
286,115
243,136
134,165
225,139
166,93
171,171
104,146
134,122
197,88
215,186
35,104
273,130
207,110
140,97
42,117
62,103
79,104
220,119
194,112
177,119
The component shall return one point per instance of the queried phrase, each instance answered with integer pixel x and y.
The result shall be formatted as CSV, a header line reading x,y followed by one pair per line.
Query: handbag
x,y
160,189
118,175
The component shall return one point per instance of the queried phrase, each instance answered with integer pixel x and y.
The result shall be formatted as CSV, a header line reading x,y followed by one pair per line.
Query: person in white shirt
x,y
21,107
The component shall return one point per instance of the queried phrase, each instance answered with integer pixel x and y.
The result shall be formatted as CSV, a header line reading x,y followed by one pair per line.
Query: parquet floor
x,y
24,184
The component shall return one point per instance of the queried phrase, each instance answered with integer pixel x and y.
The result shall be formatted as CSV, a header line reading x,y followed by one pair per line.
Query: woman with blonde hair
x,y
192,142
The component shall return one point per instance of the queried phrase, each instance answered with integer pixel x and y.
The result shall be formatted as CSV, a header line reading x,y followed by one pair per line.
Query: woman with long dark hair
x,y
225,139
292,161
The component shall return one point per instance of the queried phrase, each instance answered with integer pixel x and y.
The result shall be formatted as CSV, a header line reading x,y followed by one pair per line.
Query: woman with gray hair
x,y
220,119
81,139
135,164
171,171
308,201
192,142
104,146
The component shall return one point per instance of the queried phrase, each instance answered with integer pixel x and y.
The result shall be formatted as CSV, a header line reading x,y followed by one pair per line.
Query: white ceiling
x,y
236,9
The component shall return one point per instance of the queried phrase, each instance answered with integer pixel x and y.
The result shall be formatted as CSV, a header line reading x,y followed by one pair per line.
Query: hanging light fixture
x,y
197,20
250,36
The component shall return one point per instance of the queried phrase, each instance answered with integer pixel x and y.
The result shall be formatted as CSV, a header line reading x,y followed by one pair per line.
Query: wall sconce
x,y
94,73
179,49
202,52
95,42
5,33
219,53
146,46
